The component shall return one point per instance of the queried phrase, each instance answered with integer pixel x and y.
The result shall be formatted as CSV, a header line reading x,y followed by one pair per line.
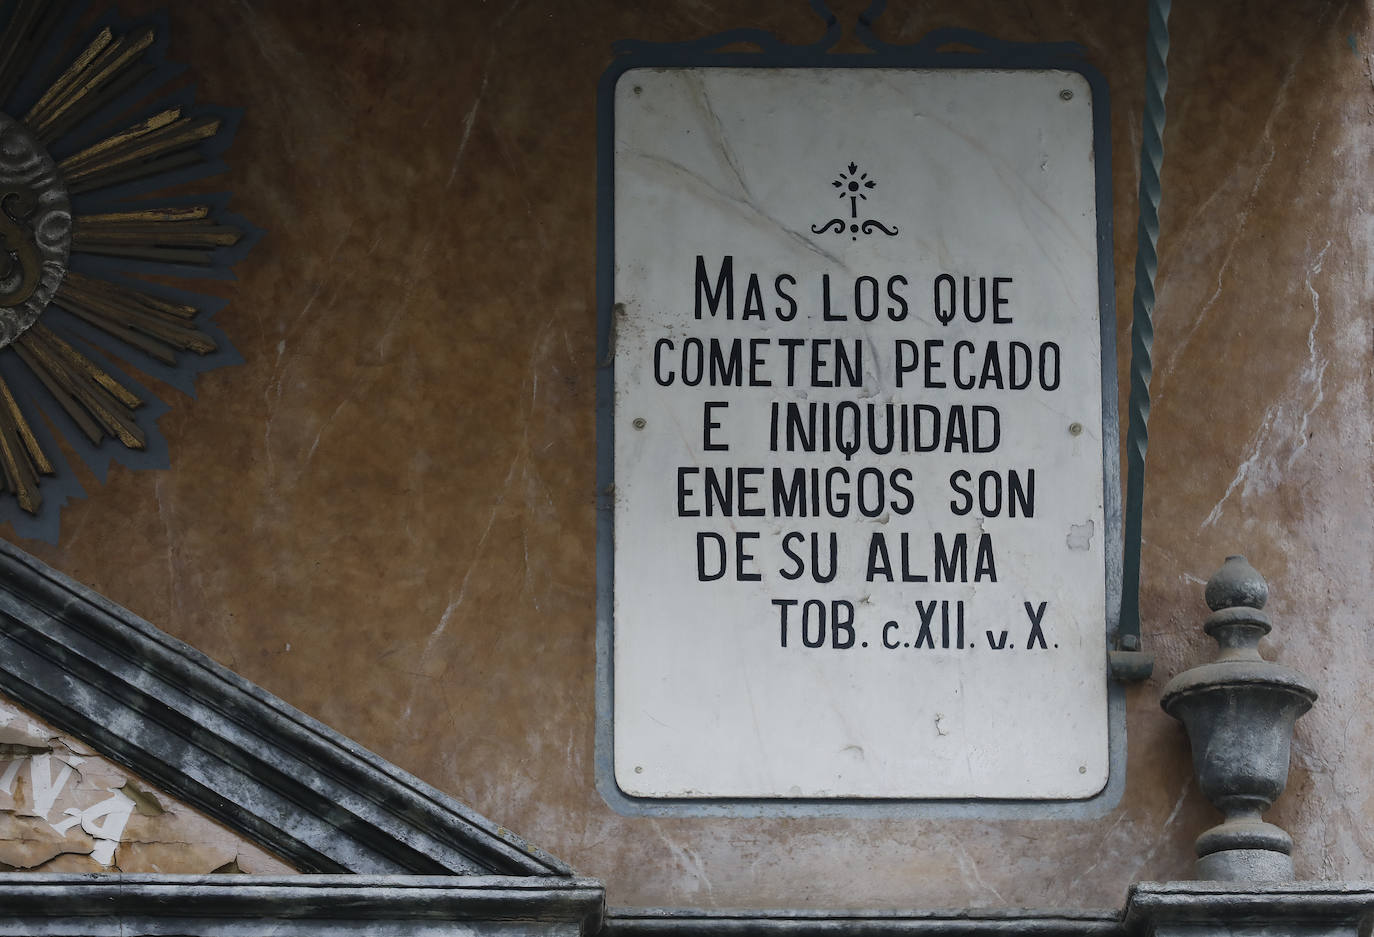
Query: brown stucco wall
x,y
386,516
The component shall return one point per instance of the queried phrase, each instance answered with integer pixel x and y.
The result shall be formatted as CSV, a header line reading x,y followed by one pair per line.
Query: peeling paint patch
x,y
32,787
64,809
103,822
1080,535
144,802
21,736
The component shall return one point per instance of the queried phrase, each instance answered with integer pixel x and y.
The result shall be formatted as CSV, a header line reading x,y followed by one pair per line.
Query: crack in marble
x,y
1161,832
1316,365
967,866
743,206
1205,210
687,859
727,152
1274,417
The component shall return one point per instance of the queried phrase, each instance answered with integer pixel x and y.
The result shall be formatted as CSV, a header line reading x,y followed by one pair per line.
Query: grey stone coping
x,y
1224,907
1153,909
228,747
806,923
42,905
38,905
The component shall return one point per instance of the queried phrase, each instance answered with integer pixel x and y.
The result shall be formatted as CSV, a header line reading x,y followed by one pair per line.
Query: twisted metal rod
x,y
1143,304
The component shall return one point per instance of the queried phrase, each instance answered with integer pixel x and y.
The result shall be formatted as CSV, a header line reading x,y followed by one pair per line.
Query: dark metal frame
x,y
940,49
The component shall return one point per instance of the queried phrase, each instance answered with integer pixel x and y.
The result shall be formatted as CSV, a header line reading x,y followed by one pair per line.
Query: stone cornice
x,y
432,906
810,923
302,905
233,750
1278,908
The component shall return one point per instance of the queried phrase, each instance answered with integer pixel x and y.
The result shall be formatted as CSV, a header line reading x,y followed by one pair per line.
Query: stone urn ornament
x,y
1239,712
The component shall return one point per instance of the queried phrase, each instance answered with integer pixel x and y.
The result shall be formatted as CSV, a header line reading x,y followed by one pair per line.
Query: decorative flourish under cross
x,y
853,185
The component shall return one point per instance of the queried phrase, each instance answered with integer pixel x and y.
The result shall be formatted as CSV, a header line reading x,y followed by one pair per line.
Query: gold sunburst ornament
x,y
87,134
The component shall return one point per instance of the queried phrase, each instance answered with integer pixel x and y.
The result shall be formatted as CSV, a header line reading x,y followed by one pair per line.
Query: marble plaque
x,y
859,545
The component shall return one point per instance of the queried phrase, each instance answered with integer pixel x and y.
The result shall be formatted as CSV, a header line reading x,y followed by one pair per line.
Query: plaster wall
x,y
386,515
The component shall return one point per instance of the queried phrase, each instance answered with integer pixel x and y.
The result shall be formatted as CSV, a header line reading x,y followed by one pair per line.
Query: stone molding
x,y
39,905
301,905
1203,909
228,747
799,923
1153,909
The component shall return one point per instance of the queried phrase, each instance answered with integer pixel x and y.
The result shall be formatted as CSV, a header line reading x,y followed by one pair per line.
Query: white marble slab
x,y
987,175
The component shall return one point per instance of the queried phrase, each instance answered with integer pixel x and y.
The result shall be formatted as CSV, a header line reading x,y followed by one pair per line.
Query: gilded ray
x,y
171,234
106,68
68,79
147,153
103,148
29,27
155,326
143,215
73,380
93,370
9,409
21,458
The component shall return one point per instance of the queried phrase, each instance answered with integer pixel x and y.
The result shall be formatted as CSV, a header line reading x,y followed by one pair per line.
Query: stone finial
x,y
1239,712
1236,584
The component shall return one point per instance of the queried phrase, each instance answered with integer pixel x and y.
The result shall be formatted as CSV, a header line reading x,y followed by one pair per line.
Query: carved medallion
x,y
35,229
